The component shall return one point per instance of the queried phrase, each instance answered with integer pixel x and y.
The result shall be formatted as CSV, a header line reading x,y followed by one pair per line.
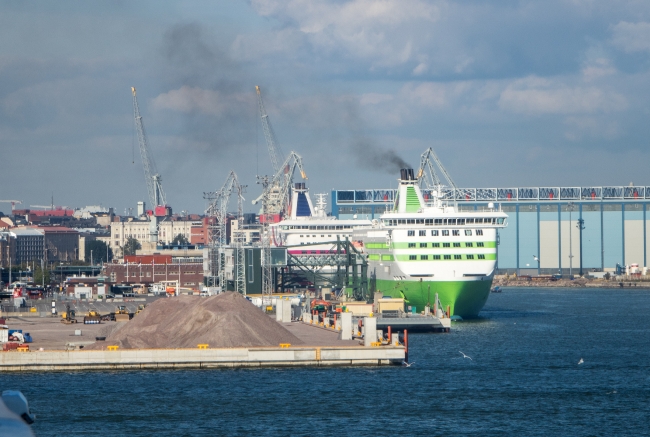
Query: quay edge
x,y
130,359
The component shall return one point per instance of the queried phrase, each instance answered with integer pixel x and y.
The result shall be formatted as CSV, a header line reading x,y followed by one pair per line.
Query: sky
x,y
508,93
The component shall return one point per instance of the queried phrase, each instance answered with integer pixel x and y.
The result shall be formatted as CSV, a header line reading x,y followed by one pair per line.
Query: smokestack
x,y
407,174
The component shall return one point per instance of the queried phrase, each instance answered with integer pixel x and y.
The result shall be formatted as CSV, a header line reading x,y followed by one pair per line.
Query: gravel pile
x,y
226,320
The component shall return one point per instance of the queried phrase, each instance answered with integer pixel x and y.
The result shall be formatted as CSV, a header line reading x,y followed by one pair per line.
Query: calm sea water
x,y
523,379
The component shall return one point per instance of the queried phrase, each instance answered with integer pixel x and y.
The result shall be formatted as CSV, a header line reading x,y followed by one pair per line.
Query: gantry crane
x,y
13,203
151,176
218,208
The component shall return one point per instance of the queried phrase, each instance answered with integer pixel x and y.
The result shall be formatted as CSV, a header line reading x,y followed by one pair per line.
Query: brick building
x,y
151,269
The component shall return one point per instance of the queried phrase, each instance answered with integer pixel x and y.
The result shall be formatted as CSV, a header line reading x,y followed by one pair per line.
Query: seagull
x,y
466,356
408,364
581,361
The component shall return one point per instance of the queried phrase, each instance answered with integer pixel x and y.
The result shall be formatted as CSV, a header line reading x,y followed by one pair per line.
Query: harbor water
x,y
523,378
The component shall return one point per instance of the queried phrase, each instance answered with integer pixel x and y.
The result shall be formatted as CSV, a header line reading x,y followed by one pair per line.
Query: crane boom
x,y
274,149
433,180
151,175
276,194
13,203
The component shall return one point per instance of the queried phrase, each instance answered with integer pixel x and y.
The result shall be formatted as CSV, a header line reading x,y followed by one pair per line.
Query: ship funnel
x,y
407,174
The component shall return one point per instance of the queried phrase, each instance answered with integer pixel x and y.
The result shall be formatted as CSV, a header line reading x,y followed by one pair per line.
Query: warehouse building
x,y
550,229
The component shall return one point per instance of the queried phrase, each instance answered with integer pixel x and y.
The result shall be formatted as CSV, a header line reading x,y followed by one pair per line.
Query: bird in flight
x,y
466,356
581,361
408,364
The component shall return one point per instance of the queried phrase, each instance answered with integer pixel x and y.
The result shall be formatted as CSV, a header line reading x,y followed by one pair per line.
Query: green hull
x,y
465,298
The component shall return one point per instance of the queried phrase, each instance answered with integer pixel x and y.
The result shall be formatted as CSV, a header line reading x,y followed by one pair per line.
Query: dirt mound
x,y
226,320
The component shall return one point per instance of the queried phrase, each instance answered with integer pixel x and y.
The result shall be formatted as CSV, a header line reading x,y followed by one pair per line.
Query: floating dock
x,y
129,359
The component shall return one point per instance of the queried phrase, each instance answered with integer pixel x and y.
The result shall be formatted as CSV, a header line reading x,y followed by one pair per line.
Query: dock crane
x,y
275,152
151,176
277,191
429,179
218,208
13,203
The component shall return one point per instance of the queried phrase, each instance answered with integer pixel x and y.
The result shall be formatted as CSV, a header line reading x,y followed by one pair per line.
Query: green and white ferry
x,y
421,248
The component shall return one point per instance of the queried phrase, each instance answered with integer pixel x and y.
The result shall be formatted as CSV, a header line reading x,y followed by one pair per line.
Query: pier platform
x,y
320,348
129,359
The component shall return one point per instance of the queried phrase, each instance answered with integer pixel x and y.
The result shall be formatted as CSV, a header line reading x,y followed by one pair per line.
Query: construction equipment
x,y
277,191
151,176
92,318
122,314
430,179
275,153
141,308
218,208
68,316
13,203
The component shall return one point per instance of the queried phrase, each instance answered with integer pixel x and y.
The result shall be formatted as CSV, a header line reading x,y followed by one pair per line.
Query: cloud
x,y
367,29
631,37
579,128
597,69
188,99
535,95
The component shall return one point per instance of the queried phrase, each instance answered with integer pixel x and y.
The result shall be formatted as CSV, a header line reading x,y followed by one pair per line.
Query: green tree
x,y
38,276
99,251
180,240
131,246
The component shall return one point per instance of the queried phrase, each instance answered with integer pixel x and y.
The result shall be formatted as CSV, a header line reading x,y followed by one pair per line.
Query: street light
x,y
580,226
569,206
536,258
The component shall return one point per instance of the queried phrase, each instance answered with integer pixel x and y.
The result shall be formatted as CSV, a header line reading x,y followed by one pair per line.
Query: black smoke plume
x,y
372,157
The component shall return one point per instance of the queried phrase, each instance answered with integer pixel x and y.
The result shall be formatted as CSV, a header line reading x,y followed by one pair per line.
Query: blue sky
x,y
509,93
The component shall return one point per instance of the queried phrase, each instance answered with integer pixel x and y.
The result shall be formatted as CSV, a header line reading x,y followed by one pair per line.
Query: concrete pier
x,y
199,358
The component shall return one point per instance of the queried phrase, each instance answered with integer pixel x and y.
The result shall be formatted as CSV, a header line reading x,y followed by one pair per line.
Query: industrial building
x,y
544,234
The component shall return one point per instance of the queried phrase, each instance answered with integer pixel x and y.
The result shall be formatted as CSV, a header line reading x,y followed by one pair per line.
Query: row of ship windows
x,y
425,245
319,228
444,233
445,222
435,257
375,257
313,236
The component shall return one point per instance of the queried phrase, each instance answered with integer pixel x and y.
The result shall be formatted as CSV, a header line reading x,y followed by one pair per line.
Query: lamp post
x,y
536,258
581,226
570,208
